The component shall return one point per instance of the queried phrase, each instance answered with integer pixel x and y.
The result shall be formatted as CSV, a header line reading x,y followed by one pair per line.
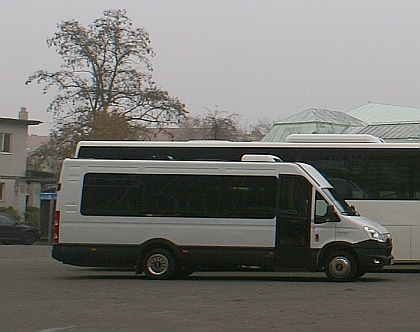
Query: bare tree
x,y
105,88
50,154
222,126
214,125
262,128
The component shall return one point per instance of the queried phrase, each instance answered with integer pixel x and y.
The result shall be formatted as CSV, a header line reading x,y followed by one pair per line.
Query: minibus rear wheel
x,y
159,264
341,266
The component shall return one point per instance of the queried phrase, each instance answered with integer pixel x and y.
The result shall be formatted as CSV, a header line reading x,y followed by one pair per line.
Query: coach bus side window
x,y
370,174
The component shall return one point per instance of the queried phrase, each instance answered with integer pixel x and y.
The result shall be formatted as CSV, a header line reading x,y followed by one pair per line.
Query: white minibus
x,y
171,218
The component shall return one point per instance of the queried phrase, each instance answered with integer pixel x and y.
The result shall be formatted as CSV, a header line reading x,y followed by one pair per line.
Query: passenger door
x,y
293,223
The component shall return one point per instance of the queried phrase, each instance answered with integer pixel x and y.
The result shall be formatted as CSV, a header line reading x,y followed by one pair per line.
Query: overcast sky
x,y
260,59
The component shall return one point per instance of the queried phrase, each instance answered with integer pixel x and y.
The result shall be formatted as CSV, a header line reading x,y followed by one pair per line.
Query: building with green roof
x,y
374,113
389,122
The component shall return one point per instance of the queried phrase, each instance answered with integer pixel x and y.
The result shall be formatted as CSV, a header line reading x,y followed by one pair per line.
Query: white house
x,y
14,189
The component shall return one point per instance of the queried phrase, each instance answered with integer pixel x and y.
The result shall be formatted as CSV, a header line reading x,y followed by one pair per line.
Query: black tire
x,y
341,266
159,264
28,237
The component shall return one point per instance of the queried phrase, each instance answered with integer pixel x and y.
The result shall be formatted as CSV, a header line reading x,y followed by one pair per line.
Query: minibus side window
x,y
322,212
321,206
172,195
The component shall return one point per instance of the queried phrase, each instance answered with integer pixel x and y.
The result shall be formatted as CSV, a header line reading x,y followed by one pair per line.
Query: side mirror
x,y
331,216
353,208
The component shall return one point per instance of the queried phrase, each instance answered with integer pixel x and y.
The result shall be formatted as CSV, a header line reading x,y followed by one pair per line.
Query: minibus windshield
x,y
339,202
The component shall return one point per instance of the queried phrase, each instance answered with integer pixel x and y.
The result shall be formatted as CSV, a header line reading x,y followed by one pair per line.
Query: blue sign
x,y
48,196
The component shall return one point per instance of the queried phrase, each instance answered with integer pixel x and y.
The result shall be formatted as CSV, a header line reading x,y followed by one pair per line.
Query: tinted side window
x,y
179,195
369,173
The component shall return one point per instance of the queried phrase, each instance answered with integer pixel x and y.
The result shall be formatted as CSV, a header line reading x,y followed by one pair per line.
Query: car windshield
x,y
340,204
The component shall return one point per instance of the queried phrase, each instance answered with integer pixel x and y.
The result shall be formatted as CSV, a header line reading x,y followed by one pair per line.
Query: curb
x,y
401,268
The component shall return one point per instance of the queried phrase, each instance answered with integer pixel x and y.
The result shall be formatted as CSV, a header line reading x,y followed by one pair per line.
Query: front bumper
x,y
373,255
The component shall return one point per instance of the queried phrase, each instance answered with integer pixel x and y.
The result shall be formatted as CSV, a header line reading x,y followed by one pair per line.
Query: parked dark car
x,y
13,232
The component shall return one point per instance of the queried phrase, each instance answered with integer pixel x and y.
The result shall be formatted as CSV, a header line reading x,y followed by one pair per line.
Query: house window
x,y
6,142
2,190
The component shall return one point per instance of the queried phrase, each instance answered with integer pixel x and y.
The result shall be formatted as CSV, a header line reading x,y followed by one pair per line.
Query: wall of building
x,y
13,163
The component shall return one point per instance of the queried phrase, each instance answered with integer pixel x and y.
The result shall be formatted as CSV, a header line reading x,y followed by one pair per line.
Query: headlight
x,y
373,234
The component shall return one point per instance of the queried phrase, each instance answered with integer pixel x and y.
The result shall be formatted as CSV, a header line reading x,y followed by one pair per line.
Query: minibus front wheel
x,y
159,264
341,266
